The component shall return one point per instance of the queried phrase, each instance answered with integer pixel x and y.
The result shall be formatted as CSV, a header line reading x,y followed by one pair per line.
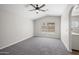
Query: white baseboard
x,y
66,47
29,36
69,50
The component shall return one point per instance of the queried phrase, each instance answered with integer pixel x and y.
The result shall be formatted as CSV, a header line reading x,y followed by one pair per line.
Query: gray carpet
x,y
36,46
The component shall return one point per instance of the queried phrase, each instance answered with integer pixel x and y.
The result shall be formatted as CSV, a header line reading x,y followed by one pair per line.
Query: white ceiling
x,y
20,9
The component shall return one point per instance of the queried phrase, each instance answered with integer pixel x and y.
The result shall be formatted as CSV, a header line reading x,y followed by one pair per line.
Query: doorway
x,y
74,24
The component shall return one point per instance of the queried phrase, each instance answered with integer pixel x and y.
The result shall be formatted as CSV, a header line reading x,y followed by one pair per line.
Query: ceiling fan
x,y
38,7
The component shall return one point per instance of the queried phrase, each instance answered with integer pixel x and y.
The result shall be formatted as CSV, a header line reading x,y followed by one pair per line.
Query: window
x,y
48,27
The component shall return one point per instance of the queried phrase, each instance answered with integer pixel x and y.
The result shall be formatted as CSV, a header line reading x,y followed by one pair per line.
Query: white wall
x,y
65,27
38,23
13,28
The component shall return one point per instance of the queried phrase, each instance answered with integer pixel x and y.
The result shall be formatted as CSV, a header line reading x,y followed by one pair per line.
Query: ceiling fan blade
x,y
42,6
32,10
42,10
33,5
